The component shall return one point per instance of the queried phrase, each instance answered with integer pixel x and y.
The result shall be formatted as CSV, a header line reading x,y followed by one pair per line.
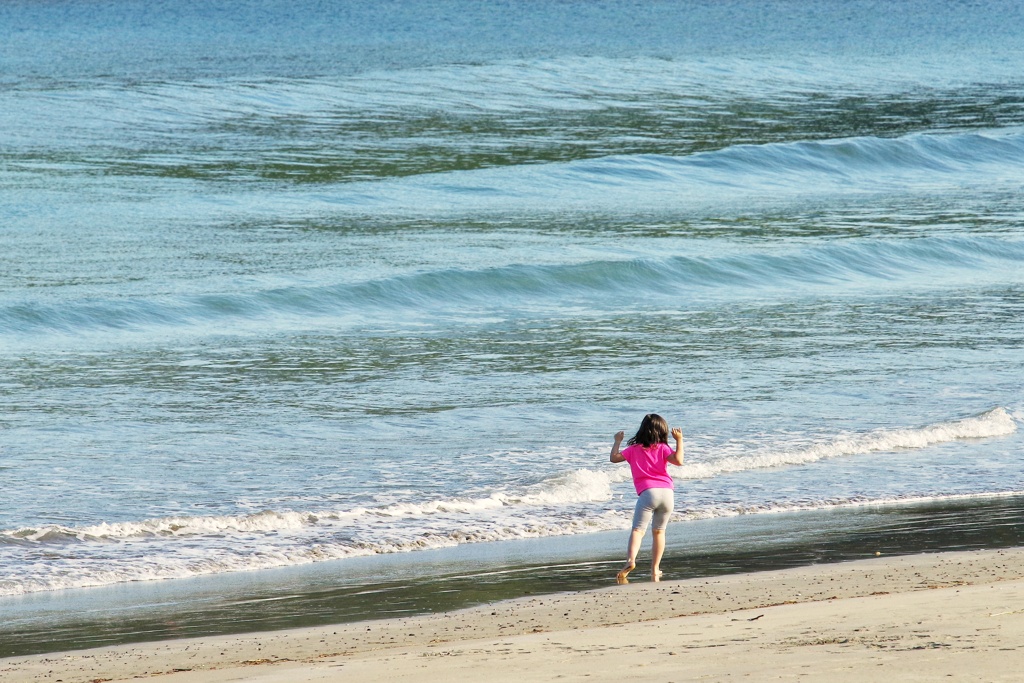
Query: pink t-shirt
x,y
649,466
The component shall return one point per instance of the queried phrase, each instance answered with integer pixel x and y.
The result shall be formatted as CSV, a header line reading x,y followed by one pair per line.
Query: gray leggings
x,y
656,503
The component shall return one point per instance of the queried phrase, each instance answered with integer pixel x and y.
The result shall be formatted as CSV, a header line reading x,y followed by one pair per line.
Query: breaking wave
x,y
575,502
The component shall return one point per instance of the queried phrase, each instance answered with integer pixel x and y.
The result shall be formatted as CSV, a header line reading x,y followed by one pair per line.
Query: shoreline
x,y
916,609
435,581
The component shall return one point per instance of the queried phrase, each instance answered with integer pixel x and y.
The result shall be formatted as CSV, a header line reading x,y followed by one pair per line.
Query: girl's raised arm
x,y
677,457
616,456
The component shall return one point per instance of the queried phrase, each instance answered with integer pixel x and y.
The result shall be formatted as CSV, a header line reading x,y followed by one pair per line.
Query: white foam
x,y
574,487
996,422
265,521
578,486
173,563
177,562
569,503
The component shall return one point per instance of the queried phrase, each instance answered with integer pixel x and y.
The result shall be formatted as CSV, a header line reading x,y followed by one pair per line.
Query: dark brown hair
x,y
652,430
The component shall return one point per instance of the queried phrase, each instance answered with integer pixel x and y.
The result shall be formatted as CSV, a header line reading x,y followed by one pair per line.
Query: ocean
x,y
365,289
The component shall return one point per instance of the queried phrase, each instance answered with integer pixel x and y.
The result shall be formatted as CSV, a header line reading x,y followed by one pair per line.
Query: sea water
x,y
292,282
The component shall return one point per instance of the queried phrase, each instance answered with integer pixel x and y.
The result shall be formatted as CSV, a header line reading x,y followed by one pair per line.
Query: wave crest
x,y
452,290
993,423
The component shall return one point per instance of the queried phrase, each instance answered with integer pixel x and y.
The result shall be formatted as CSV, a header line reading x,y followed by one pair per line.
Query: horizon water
x,y
296,283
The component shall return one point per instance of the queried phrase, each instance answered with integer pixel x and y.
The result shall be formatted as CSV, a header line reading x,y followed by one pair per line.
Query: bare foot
x,y
621,577
656,575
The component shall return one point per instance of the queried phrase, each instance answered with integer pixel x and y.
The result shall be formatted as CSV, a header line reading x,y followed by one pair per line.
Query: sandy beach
x,y
948,616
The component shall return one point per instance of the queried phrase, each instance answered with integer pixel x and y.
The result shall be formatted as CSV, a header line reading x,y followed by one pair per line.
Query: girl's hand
x,y
677,457
619,436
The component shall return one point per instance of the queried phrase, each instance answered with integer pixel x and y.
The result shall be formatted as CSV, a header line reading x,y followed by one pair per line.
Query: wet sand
x,y
434,581
949,616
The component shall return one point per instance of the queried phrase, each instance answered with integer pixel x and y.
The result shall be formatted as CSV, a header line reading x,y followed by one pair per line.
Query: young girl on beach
x,y
648,455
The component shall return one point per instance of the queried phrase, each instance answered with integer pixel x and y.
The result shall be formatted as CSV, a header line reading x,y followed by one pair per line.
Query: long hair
x,y
652,430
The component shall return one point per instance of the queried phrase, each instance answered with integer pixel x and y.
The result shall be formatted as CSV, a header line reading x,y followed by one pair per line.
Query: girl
x,y
648,453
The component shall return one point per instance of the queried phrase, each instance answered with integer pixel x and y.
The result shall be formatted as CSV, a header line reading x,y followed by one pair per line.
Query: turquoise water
x,y
283,283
